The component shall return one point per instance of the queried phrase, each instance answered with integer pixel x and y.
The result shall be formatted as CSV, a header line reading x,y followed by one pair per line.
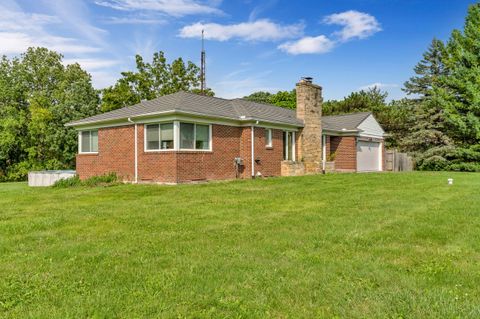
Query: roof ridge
x,y
348,114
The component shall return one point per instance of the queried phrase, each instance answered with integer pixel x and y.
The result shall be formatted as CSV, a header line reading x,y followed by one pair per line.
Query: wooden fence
x,y
398,162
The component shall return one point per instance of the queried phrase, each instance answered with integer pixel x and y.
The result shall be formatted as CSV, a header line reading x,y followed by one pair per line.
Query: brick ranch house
x,y
185,137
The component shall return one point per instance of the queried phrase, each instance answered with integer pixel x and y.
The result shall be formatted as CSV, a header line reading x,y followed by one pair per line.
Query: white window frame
x,y
269,138
159,133
194,149
285,142
80,141
176,137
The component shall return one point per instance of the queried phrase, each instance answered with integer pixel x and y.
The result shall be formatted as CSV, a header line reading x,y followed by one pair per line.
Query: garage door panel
x,y
368,156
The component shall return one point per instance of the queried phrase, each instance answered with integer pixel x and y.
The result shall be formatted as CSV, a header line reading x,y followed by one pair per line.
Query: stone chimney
x,y
309,109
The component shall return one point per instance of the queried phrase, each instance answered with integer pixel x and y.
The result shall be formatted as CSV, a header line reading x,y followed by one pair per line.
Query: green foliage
x,y
68,182
394,117
428,71
38,95
392,246
371,100
447,127
286,99
101,180
108,179
152,80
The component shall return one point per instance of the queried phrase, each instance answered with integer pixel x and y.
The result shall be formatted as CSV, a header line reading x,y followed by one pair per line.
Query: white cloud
x,y
103,79
20,30
175,8
17,42
135,20
74,15
308,45
91,64
378,85
260,30
232,86
355,24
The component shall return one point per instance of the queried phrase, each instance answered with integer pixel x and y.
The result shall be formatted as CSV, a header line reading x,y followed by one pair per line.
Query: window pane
x,y
202,137
268,137
94,141
153,142
167,136
290,144
186,135
85,147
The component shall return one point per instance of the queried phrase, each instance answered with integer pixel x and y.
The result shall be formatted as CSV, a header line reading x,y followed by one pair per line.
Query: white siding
x,y
371,128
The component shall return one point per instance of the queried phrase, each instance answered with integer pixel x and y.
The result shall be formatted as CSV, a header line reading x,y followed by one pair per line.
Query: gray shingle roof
x,y
344,121
236,109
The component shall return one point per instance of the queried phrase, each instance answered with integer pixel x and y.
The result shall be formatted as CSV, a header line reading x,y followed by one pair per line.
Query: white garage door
x,y
368,156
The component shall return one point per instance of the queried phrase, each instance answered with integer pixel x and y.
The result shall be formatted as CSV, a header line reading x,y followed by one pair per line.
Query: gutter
x,y
179,112
324,152
136,149
252,137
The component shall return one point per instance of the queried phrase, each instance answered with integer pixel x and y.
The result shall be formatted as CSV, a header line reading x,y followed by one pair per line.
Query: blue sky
x,y
345,45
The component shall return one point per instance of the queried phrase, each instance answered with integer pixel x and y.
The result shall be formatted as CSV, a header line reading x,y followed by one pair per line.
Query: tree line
x,y
39,95
438,123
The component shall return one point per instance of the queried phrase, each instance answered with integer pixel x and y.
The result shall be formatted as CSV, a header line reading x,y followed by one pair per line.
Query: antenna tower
x,y
202,67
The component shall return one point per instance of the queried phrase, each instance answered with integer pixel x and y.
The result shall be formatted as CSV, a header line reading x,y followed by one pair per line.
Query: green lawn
x,y
348,245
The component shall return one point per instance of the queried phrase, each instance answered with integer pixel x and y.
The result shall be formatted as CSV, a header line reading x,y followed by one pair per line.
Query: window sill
x,y
194,151
88,153
176,151
159,151
269,147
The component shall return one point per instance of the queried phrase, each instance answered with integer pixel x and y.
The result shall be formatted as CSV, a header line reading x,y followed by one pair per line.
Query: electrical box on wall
x,y
238,161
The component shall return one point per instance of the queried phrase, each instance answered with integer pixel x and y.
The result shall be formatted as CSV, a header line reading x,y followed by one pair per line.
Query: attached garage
x,y
353,143
368,156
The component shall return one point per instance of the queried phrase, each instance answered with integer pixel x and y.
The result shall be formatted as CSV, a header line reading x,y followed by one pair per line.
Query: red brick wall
x,y
268,159
115,154
245,151
345,149
155,166
214,165
327,147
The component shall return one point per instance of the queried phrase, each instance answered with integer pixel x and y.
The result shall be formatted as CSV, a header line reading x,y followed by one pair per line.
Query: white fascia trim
x,y
183,115
341,133
371,136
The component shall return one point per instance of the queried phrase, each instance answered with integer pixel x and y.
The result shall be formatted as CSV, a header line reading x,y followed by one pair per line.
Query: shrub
x,y
101,180
68,182
104,180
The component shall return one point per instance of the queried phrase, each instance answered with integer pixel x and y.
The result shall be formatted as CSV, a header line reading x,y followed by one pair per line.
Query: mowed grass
x,y
401,245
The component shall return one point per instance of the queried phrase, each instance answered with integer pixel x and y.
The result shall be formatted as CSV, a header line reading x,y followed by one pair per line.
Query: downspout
x,y
136,150
252,137
324,152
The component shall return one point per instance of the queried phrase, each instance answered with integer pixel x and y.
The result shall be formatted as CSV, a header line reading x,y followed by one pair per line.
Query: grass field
x,y
348,246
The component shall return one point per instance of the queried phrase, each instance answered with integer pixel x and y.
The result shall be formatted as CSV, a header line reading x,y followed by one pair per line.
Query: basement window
x,y
159,137
88,142
268,137
194,136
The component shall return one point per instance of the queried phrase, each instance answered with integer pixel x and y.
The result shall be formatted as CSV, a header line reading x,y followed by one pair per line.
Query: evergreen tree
x,y
458,94
428,71
428,128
